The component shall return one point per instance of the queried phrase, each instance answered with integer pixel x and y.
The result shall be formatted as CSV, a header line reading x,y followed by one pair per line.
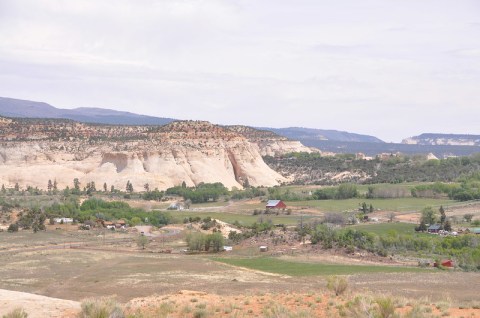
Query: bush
x,y
13,228
16,313
337,284
101,308
386,307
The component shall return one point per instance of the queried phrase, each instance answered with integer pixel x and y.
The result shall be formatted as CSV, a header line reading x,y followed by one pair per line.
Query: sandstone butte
x,y
33,151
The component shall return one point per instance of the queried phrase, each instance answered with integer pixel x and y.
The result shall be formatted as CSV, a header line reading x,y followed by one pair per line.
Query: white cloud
x,y
360,66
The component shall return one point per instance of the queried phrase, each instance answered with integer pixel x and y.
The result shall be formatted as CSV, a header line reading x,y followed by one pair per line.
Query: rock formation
x,y
33,151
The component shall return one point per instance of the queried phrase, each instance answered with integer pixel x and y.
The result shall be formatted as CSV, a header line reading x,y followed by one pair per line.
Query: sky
x,y
387,68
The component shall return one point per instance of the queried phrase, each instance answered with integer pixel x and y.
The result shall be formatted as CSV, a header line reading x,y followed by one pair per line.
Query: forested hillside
x,y
315,169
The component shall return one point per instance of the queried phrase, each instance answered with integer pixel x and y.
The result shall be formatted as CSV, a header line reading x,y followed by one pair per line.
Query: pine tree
x,y
129,187
447,226
443,216
76,184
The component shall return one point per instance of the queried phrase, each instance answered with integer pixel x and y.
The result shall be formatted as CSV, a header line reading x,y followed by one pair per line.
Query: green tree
x,y
196,241
447,226
135,221
217,241
49,185
12,228
346,191
142,241
76,184
422,227
468,217
105,187
129,187
428,215
443,216
17,187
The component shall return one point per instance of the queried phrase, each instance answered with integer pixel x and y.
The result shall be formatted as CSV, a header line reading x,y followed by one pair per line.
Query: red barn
x,y
275,204
445,263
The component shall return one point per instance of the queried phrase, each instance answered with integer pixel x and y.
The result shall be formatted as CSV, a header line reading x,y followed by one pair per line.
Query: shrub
x,y
200,313
101,308
13,228
337,284
16,313
386,307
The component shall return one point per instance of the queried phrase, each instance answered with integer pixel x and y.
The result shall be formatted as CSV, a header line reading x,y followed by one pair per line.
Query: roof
x,y
435,227
475,230
273,202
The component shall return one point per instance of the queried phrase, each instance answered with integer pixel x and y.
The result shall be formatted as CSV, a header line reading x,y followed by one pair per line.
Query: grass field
x,y
243,219
276,266
385,228
400,205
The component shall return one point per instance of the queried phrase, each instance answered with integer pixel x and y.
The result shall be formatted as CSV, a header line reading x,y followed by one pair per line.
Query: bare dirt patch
x,y
37,306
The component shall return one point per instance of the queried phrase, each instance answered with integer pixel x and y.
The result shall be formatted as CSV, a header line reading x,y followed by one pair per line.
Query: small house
x,y
121,224
275,204
263,248
434,228
63,220
109,225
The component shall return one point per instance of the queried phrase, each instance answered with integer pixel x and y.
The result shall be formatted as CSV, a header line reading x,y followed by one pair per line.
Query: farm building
x,y
474,230
445,263
434,228
275,204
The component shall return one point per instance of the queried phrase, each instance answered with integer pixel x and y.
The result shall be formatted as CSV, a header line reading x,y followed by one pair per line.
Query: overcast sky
x,y
391,69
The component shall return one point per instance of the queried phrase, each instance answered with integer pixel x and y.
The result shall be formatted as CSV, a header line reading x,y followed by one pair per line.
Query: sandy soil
x,y
36,306
187,303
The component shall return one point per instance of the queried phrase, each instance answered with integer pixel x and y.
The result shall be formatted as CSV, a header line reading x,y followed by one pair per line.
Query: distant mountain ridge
x,y
312,134
443,140
11,107
441,145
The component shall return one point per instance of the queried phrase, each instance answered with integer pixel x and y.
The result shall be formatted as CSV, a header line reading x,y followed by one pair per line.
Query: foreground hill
x,y
33,151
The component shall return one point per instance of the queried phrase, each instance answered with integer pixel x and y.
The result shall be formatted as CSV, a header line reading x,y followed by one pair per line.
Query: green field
x,y
277,266
243,219
400,204
385,228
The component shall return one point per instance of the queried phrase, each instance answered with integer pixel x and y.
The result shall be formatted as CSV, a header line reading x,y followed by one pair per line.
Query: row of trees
x,y
464,248
198,241
203,192
315,169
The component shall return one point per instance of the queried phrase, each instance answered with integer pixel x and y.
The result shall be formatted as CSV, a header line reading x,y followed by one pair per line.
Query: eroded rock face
x,y
35,151
269,143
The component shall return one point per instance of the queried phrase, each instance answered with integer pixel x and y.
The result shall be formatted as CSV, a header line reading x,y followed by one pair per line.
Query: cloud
x,y
357,66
